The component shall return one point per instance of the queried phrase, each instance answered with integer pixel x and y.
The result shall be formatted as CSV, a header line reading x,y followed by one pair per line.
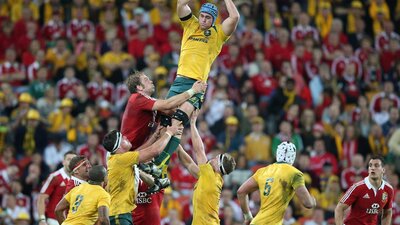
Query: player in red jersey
x,y
368,198
137,123
79,167
52,191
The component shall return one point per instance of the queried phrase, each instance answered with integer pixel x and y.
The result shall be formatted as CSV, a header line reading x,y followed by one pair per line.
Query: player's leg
x,y
182,115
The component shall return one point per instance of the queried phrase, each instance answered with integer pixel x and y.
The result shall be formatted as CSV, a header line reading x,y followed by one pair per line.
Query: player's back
x,y
84,201
277,183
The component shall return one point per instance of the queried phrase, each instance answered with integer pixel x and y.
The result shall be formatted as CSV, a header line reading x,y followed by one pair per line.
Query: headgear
x,y
286,152
211,9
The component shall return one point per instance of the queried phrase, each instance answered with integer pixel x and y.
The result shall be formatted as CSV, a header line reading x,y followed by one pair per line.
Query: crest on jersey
x,y
384,196
207,33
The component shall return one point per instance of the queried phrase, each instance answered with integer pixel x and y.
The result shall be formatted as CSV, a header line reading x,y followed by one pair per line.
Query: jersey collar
x,y
370,186
78,180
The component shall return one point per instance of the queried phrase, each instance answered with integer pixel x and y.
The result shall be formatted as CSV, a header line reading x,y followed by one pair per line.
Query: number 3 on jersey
x,y
267,189
77,203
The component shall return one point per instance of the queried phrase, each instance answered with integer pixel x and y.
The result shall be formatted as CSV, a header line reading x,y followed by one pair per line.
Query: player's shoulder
x,y
387,186
359,185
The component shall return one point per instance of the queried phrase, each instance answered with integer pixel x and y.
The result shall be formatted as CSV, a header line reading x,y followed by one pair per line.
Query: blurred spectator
x,y
93,151
7,157
330,196
377,142
170,203
66,87
8,175
286,133
318,218
79,26
30,137
21,199
172,218
61,122
54,152
40,84
390,126
58,55
227,200
351,144
319,157
231,140
12,209
54,28
47,103
111,60
6,38
288,218
349,174
23,218
11,71
324,18
257,148
100,89
32,180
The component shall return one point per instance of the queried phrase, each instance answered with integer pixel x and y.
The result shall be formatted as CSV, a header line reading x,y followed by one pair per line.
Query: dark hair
x,y
133,81
228,163
69,153
109,140
75,161
378,157
97,174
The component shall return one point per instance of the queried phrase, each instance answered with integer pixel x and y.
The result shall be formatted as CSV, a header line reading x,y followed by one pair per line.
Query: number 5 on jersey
x,y
77,203
267,189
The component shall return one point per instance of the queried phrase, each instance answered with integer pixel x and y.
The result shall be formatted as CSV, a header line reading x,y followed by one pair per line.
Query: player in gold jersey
x,y
202,42
277,184
122,185
207,190
88,203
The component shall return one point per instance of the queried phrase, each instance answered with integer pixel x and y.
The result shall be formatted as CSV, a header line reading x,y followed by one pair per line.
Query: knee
x,y
181,115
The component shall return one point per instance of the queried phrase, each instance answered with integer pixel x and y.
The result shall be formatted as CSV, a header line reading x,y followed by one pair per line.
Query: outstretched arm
x,y
166,105
230,23
188,162
183,8
243,196
198,145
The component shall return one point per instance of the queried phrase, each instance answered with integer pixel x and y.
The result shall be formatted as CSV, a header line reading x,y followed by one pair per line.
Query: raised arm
x,y
103,216
62,206
198,145
230,23
387,217
155,149
177,100
183,8
306,199
339,213
243,196
188,162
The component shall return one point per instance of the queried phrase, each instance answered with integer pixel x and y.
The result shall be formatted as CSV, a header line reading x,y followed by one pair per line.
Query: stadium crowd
x,y
324,75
